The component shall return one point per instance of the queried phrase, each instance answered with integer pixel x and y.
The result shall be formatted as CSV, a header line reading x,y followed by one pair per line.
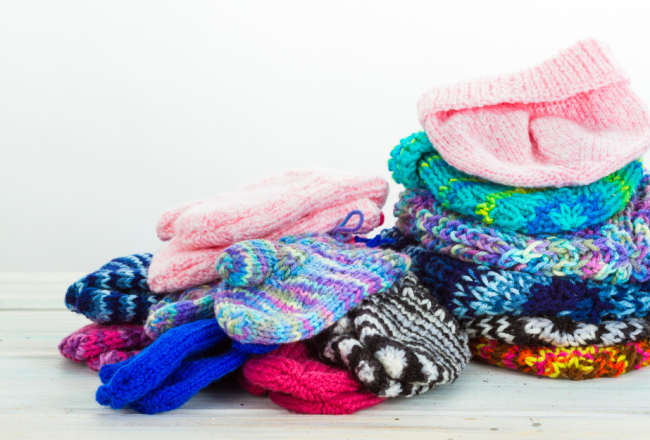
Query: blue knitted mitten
x,y
170,371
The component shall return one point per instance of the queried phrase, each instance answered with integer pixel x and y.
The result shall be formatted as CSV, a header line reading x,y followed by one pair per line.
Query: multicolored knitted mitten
x,y
300,383
117,293
558,332
576,363
278,292
99,345
472,291
286,291
398,342
614,252
416,164
178,309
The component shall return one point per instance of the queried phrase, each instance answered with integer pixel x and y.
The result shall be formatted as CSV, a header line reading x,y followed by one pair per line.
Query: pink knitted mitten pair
x,y
290,203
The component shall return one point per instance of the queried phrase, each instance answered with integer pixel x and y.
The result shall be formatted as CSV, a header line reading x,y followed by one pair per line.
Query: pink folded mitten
x,y
285,204
99,345
568,121
298,382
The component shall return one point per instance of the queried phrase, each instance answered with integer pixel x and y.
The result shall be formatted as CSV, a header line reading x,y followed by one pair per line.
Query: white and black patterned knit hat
x,y
397,342
557,332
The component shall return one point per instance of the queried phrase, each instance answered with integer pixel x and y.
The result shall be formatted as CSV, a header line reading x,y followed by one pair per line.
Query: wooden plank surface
x,y
43,395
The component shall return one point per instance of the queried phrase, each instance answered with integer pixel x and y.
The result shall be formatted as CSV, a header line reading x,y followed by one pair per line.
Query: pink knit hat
x,y
298,382
285,204
568,121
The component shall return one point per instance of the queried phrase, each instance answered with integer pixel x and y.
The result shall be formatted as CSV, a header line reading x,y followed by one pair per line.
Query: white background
x,y
111,112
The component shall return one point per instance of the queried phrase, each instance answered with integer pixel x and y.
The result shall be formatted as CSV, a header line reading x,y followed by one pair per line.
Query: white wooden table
x,y
43,395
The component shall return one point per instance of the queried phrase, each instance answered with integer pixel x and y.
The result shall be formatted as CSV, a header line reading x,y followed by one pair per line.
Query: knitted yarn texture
x,y
298,382
569,121
99,345
293,202
116,293
399,342
178,309
615,251
471,291
286,291
416,164
558,332
165,375
577,363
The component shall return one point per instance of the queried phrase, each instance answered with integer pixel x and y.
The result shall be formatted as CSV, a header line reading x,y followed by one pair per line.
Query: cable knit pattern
x,y
471,291
116,293
558,332
285,291
292,202
416,164
568,121
99,345
575,363
399,342
614,252
298,382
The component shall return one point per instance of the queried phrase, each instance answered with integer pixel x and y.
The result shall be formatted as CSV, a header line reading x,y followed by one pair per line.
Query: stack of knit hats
x,y
526,213
267,280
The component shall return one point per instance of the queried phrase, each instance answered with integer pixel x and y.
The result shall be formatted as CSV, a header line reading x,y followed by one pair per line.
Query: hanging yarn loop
x,y
344,233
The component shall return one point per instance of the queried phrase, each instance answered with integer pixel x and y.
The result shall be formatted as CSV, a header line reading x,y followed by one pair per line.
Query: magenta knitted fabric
x,y
568,121
298,382
98,345
289,203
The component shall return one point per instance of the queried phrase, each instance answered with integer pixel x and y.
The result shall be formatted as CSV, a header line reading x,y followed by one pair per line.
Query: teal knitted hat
x,y
416,164
285,291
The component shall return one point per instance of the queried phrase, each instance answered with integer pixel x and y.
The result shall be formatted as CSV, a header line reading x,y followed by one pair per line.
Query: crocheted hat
x,y
576,363
399,342
568,121
116,293
99,345
613,252
289,203
558,332
286,291
471,291
300,383
416,164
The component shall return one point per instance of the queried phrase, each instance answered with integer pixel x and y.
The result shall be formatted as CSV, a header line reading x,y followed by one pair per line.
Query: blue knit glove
x,y
170,371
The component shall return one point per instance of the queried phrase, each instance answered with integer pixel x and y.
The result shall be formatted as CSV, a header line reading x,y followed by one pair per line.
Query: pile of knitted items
x,y
271,293
265,301
526,213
